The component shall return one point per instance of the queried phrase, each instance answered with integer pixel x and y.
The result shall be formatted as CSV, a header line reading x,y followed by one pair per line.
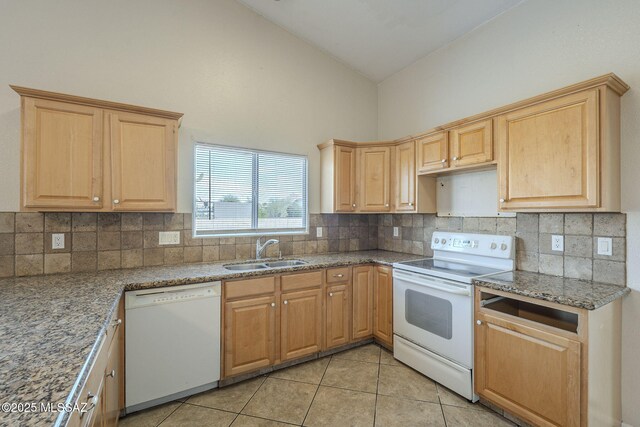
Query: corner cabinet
x,y
549,364
81,154
563,153
375,179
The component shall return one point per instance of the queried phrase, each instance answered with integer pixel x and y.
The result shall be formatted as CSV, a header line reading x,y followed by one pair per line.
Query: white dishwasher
x,y
172,343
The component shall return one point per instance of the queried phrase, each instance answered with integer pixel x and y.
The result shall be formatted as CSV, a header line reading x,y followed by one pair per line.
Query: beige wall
x,y
536,47
238,79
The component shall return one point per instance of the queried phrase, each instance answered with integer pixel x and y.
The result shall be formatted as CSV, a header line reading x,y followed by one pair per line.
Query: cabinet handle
x,y
92,401
273,304
116,201
112,374
501,200
443,161
338,275
96,199
285,302
330,294
479,322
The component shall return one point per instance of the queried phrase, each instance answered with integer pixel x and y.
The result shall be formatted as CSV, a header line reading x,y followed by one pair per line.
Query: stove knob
x,y
436,240
493,246
444,241
503,246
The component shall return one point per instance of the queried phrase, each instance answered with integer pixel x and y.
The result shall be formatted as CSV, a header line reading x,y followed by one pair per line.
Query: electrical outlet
x,y
319,232
169,238
557,243
396,231
605,246
57,241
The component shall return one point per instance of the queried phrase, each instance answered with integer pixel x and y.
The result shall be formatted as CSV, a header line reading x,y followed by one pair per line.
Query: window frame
x,y
253,232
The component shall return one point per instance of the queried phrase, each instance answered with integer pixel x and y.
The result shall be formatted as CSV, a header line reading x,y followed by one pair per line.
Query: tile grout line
x,y
444,418
316,393
252,396
375,403
171,413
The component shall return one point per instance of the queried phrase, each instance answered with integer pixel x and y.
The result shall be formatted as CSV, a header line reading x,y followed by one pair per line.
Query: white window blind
x,y
249,192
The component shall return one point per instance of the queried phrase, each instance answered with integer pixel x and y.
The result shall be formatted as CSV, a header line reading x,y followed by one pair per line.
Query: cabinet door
x,y
405,173
345,179
383,305
532,373
549,154
61,155
472,144
301,323
249,334
433,152
143,162
362,302
112,380
374,172
338,324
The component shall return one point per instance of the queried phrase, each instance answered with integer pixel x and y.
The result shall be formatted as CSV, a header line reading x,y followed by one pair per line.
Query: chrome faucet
x,y
261,248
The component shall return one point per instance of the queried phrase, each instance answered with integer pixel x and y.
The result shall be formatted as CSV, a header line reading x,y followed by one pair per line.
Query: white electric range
x,y
433,305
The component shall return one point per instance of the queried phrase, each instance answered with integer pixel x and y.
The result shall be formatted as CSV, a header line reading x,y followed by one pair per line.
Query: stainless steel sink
x,y
285,263
246,267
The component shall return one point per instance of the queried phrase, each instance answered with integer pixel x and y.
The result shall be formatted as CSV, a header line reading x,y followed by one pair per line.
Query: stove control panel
x,y
497,246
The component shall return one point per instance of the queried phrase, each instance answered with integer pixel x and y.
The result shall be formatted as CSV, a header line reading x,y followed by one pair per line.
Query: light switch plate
x,y
319,232
605,246
57,241
396,231
169,238
557,243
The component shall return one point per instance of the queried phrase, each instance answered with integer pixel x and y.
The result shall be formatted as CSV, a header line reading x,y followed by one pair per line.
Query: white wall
x,y
538,46
238,79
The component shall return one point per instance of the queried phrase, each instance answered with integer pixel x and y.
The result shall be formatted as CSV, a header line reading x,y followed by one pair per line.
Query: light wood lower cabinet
x,y
249,334
548,364
383,304
362,301
338,312
300,323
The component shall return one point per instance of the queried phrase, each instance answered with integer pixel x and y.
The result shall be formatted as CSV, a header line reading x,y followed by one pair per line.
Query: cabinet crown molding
x,y
110,105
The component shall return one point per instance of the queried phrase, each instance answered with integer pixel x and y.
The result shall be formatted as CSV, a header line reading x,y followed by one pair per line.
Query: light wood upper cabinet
x,y
550,154
472,144
143,162
249,334
375,179
345,179
362,297
301,323
383,304
338,312
82,154
433,152
405,177
62,147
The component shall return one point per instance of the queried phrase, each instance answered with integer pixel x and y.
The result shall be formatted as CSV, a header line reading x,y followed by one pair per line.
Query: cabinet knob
x,y
501,200
116,201
410,204
330,294
443,161
273,304
386,205
354,205
479,322
112,374
455,158
285,302
96,199
117,322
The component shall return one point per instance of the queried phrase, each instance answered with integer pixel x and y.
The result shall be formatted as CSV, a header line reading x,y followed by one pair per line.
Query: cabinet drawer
x,y
338,275
301,280
249,287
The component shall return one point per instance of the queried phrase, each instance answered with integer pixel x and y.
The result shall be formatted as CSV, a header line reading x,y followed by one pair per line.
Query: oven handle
x,y
444,288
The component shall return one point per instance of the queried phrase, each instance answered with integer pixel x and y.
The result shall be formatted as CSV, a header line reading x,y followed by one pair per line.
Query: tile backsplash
x,y
102,241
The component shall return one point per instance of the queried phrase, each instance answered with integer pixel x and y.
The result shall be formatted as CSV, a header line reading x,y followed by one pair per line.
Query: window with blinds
x,y
249,192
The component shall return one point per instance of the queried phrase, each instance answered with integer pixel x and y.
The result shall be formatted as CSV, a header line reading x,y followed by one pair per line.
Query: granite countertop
x,y
51,326
572,292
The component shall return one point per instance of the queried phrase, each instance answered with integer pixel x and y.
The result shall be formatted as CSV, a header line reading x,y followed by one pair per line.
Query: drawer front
x,y
301,280
338,275
250,287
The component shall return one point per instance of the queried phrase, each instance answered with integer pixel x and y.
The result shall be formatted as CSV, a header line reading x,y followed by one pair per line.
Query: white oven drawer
x,y
434,313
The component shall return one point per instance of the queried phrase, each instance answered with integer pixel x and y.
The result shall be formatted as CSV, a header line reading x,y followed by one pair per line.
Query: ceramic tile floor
x,y
364,386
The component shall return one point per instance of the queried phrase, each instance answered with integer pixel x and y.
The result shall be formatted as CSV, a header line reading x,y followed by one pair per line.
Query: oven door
x,y
434,313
